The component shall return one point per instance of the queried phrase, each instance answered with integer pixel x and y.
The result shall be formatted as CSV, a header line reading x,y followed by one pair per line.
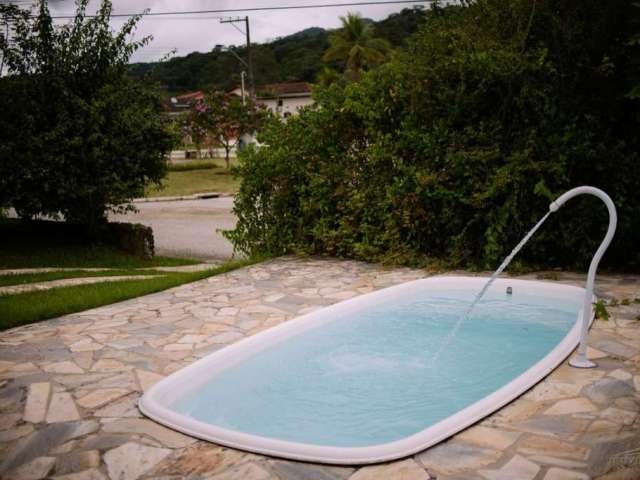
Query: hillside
x,y
294,57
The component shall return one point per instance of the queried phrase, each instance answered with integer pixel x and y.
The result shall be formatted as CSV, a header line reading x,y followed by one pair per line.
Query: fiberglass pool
x,y
376,377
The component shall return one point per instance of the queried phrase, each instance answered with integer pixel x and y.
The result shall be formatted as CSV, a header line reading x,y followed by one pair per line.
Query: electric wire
x,y
254,9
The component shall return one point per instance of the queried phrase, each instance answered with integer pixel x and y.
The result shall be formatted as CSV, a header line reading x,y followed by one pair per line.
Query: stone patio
x,y
69,386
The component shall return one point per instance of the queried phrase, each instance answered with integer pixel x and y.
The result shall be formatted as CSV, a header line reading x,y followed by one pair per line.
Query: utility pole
x,y
252,85
233,21
244,97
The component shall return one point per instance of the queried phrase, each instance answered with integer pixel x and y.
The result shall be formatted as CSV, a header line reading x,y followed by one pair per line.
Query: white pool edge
x,y
153,402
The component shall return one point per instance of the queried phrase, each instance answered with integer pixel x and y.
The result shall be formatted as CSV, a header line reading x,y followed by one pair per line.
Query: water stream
x,y
467,313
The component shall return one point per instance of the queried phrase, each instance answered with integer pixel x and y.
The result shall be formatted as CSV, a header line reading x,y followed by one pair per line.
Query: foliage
x,y
634,46
224,119
78,137
195,132
296,57
397,27
454,148
600,310
355,47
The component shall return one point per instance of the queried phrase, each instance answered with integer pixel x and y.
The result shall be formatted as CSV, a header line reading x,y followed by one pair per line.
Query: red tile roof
x,y
287,88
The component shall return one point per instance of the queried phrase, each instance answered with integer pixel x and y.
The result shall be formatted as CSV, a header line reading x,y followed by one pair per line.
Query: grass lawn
x,y
206,164
185,179
30,307
26,278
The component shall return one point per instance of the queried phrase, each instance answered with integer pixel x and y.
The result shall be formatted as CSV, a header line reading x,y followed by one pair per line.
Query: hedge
x,y
453,150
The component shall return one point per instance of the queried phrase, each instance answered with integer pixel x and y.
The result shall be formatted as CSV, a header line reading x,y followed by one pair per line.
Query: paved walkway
x,y
68,388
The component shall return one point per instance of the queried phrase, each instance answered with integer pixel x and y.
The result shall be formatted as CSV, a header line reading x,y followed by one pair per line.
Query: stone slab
x,y
37,401
62,408
131,460
404,470
452,457
517,468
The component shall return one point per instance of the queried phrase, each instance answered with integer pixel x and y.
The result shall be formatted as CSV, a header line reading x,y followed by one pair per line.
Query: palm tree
x,y
355,46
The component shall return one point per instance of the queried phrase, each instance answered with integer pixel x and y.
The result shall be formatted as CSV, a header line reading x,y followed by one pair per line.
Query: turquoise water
x,y
372,377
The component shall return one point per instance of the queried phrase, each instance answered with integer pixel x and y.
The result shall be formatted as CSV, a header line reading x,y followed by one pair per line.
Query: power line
x,y
254,9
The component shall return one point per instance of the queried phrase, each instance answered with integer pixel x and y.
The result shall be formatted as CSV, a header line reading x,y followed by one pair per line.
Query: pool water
x,y
371,376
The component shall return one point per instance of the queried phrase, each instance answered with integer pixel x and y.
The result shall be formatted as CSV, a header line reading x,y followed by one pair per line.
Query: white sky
x,y
202,32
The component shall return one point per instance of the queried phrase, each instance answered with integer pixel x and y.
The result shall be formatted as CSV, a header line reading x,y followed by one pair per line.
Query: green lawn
x,y
206,164
186,179
30,307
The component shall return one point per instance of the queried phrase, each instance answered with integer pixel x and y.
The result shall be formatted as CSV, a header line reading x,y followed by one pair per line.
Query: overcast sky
x,y
202,32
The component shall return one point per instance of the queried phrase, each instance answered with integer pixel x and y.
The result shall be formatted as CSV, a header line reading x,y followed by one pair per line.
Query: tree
x,y
226,118
634,47
397,27
355,46
78,137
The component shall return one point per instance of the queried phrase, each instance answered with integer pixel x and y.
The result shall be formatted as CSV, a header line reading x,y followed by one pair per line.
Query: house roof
x,y
287,89
190,97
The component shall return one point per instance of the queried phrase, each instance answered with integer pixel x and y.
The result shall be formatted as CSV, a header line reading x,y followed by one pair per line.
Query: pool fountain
x,y
581,360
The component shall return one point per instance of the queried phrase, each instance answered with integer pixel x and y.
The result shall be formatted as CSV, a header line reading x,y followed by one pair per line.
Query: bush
x,y
455,148
78,137
133,238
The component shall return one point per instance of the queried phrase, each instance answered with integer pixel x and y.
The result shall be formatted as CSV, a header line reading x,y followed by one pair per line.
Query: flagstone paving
x,y
69,386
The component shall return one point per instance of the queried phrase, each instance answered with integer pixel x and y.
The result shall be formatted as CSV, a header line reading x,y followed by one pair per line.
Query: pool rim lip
x,y
152,406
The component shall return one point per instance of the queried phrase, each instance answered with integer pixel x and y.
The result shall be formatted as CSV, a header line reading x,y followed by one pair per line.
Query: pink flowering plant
x,y
221,120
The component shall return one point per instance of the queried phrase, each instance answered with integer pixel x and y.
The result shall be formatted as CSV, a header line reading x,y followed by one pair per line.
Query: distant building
x,y
183,103
282,98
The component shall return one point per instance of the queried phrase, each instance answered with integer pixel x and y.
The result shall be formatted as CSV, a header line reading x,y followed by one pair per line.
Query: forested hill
x,y
295,57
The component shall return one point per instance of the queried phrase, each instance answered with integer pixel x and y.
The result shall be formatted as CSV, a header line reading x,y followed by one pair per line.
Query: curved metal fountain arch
x,y
581,360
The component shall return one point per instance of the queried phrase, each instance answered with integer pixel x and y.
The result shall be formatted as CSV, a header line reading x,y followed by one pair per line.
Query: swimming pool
x,y
367,380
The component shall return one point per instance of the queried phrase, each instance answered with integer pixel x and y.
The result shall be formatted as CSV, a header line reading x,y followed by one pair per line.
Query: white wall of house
x,y
289,105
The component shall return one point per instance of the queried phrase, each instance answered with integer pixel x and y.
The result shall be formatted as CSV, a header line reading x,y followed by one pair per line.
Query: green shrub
x,y
133,238
455,148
